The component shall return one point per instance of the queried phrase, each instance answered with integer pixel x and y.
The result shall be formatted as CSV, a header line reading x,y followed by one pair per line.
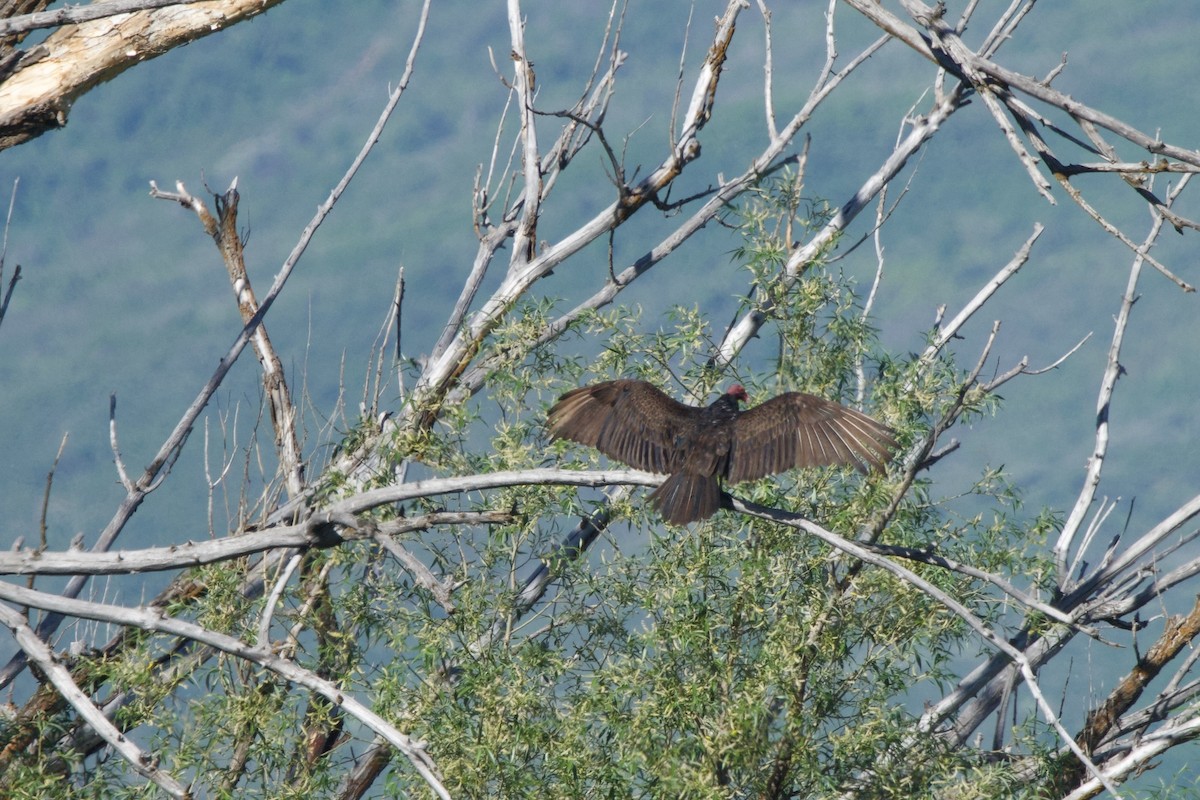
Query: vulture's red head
x,y
738,393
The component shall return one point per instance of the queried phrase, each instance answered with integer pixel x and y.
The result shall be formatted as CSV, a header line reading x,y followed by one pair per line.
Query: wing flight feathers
x,y
628,420
633,422
800,430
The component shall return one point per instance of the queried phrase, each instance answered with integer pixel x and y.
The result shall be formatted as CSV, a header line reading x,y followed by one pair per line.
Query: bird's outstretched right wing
x,y
628,420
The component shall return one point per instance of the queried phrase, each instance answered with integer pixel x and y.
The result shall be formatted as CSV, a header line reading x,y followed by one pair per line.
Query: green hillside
x,y
282,103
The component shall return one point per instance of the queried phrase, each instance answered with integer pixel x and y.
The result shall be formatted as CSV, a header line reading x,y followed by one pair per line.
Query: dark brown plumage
x,y
634,422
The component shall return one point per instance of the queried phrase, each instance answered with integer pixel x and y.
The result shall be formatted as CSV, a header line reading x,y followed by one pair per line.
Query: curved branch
x,y
152,620
43,656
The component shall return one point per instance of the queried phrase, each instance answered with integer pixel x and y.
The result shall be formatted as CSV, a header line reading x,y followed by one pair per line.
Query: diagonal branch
x,y
223,230
923,129
141,762
152,620
38,95
73,15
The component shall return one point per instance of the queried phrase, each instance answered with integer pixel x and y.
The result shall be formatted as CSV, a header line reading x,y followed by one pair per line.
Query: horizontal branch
x,y
312,532
73,15
496,480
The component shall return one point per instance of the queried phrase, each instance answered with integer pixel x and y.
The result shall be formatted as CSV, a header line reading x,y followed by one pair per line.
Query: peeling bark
x,y
44,81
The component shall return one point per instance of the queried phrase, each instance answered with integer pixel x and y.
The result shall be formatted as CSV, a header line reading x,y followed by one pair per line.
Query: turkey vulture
x,y
634,422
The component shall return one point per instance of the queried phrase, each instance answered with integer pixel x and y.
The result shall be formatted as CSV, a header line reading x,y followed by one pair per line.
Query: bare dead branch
x,y
421,574
153,620
949,330
73,15
313,532
1180,633
525,235
62,445
1018,658
1108,383
927,17
1143,752
115,446
768,71
936,559
223,230
37,96
41,654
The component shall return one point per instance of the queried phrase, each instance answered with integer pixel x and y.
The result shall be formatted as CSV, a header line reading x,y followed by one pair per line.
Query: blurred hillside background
x,y
284,102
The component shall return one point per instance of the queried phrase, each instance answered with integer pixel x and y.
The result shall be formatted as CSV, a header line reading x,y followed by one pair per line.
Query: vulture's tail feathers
x,y
684,498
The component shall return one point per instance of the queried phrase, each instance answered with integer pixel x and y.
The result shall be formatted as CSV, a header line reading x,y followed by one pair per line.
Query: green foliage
x,y
738,658
728,659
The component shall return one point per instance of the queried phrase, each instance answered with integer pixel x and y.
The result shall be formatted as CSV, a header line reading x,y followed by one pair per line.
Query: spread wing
x,y
800,430
628,420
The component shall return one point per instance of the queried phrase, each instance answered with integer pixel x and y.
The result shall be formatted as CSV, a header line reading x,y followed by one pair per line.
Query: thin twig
x,y
42,517
768,72
285,575
1108,383
115,445
949,330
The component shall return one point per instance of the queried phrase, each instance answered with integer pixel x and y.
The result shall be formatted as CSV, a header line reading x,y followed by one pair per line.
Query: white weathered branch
x,y
141,762
73,15
148,619
76,58
312,532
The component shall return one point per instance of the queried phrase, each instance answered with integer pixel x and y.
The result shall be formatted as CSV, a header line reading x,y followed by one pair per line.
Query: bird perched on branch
x,y
697,446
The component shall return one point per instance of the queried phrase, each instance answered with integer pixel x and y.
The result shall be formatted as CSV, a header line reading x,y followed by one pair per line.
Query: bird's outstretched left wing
x,y
800,430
